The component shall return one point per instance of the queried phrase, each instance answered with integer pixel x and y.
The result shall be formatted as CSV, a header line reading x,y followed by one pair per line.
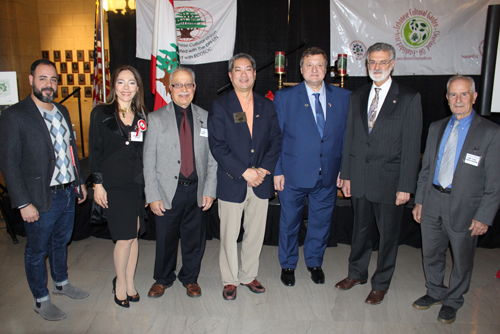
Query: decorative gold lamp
x,y
279,66
342,68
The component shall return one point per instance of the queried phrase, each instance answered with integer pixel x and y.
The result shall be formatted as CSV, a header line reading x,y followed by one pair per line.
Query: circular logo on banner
x,y
416,32
358,49
192,23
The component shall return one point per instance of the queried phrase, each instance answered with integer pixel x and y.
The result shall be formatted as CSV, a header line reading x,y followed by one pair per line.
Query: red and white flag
x,y
98,95
164,52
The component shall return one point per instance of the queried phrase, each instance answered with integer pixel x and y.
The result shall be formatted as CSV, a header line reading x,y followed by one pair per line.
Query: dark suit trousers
x,y
388,219
437,234
185,222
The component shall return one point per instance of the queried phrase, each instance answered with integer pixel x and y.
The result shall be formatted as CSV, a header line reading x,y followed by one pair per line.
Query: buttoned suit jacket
x,y
385,161
475,191
162,156
303,151
235,150
27,157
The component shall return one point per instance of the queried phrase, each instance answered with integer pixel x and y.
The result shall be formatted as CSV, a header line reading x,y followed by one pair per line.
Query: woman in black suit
x,y
116,137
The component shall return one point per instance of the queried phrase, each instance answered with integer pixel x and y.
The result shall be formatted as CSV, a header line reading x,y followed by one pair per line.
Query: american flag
x,y
97,96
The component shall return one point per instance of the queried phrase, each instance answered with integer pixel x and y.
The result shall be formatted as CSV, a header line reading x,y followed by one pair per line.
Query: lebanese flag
x,y
164,52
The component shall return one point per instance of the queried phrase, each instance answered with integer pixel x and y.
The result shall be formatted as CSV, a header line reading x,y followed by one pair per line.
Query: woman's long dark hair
x,y
137,104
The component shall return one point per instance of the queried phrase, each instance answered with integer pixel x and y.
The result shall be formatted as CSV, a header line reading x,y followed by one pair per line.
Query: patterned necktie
x,y
372,112
186,146
447,168
320,117
57,132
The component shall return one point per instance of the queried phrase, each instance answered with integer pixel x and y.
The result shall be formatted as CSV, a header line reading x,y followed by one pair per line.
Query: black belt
x,y
441,189
60,186
186,183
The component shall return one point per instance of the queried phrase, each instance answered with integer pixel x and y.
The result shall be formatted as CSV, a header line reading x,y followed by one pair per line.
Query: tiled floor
x,y
305,308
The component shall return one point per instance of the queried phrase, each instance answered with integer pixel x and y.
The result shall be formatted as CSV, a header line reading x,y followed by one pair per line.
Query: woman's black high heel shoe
x,y
122,303
135,298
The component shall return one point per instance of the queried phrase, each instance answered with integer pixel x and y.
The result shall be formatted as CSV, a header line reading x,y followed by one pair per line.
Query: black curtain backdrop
x,y
262,28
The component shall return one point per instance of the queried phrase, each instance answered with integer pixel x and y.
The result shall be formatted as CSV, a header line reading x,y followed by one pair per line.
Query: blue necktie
x,y
320,117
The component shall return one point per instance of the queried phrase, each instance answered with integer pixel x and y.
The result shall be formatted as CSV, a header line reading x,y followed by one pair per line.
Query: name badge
x,y
472,159
240,117
204,132
136,136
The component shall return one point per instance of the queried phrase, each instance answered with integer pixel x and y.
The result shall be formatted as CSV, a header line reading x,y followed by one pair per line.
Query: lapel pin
x,y
394,101
475,149
257,115
306,105
329,104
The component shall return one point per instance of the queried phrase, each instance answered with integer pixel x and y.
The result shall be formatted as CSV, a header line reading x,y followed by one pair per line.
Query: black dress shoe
x,y
288,277
317,275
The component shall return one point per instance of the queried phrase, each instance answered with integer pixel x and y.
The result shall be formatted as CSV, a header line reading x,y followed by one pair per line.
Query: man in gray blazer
x,y
457,196
379,167
39,161
181,182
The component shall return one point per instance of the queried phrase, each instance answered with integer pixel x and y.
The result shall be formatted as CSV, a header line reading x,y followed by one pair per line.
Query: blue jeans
x,y
49,235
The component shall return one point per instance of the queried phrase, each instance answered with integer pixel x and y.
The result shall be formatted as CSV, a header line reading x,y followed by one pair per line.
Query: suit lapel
x,y
235,106
306,106
197,122
37,118
172,132
332,109
363,98
471,134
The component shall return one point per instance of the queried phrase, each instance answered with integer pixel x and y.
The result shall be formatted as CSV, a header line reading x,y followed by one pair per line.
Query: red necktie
x,y
186,146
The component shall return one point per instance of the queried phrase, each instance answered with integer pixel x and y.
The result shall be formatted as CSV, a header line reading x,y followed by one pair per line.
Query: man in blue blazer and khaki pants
x,y
312,117
245,140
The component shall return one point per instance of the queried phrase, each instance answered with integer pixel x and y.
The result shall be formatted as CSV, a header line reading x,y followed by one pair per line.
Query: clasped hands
x,y
255,176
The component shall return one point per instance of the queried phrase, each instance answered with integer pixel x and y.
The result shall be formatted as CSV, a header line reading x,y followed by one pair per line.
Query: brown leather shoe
x,y
348,283
157,290
193,290
229,292
375,297
255,286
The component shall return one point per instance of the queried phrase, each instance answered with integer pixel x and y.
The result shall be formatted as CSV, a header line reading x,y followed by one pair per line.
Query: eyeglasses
x,y
179,85
382,63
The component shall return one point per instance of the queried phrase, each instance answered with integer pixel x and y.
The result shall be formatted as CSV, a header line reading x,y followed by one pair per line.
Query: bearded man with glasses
x,y
379,168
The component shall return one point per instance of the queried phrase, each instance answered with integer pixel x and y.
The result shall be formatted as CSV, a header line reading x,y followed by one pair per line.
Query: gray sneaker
x,y
447,314
425,302
70,291
48,311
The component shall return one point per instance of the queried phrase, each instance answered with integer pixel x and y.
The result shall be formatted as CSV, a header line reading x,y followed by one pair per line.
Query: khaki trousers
x,y
254,225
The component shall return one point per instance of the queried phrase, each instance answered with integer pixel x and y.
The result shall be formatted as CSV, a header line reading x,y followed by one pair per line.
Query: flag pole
x,y
103,69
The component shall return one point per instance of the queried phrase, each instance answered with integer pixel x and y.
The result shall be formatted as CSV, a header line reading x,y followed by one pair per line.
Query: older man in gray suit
x,y
181,182
457,196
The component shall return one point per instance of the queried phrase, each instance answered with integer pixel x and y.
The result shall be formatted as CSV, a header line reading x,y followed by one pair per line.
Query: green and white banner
x,y
431,37
206,29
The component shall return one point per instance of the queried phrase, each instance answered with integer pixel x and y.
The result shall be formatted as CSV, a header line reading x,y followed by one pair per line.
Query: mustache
x,y
50,89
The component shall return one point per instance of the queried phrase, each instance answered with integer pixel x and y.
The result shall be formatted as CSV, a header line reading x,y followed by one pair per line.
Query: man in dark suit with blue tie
x,y
379,168
245,140
457,196
312,117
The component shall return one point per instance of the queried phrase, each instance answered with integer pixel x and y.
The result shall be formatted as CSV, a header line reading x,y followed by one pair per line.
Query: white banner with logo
x,y
206,29
431,37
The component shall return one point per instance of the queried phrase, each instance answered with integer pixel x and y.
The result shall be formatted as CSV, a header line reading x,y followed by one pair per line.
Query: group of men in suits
x,y
314,138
